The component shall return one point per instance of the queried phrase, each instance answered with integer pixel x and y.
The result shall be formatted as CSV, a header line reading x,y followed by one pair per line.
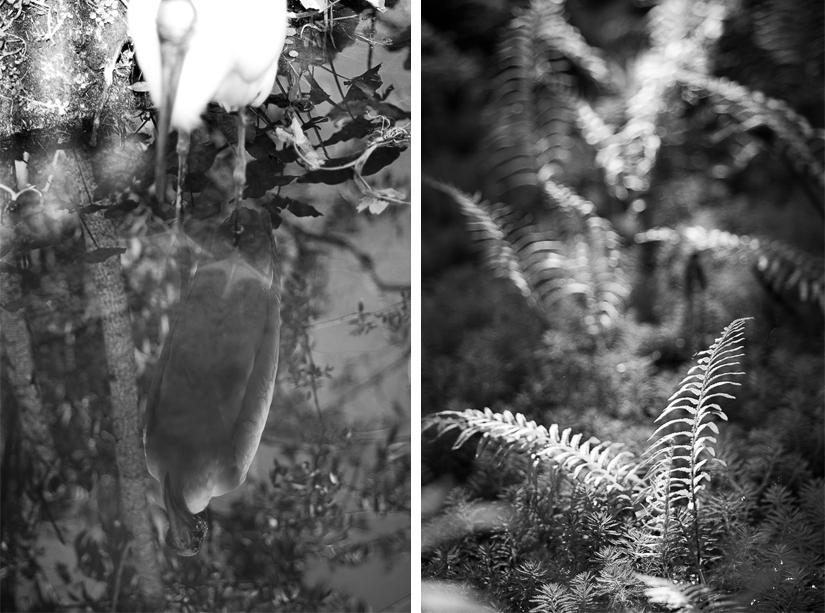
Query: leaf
x,y
391,111
375,205
262,175
262,145
357,128
302,209
381,157
364,85
317,94
102,254
327,177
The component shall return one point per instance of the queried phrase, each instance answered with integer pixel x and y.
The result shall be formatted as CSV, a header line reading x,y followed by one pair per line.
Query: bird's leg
x,y
239,175
183,153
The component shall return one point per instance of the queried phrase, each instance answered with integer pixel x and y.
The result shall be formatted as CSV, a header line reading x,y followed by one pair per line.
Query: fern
x,y
782,267
592,462
515,248
687,598
542,64
770,119
683,452
498,255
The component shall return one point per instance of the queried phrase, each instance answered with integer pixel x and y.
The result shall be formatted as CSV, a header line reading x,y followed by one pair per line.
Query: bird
x,y
212,388
193,52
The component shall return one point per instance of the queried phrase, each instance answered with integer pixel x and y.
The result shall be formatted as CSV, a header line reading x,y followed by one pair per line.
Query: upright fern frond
x,y
592,462
542,64
512,168
685,442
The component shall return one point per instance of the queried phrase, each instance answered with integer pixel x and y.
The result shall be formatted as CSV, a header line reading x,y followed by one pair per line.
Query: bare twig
x,y
364,259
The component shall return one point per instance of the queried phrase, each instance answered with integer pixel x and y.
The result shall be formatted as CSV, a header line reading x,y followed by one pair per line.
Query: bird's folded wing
x,y
260,387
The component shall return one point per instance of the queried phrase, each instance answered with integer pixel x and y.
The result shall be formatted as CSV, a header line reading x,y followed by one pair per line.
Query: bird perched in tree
x,y
214,382
192,52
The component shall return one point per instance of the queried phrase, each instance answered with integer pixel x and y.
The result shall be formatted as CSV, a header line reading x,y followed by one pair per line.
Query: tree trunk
x,y
34,424
120,355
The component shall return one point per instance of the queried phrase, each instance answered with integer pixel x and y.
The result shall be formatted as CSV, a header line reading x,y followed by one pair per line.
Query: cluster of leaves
x,y
549,521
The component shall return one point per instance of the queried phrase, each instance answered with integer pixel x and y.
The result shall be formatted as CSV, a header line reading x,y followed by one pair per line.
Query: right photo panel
x,y
623,285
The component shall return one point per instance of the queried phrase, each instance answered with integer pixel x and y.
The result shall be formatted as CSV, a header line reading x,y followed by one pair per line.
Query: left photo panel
x,y
205,305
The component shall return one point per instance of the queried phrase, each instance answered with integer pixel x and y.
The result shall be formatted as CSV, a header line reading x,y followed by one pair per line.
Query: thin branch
x,y
364,259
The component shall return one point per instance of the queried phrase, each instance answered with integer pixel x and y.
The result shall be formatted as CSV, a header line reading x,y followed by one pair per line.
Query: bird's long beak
x,y
175,25
186,531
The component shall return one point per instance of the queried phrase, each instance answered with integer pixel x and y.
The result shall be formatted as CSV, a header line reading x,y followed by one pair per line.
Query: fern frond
x,y
771,119
688,444
498,256
681,33
687,598
693,408
512,152
513,247
558,34
592,462
782,267
542,62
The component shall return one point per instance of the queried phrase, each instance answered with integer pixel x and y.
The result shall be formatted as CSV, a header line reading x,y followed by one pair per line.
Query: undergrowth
x,y
699,519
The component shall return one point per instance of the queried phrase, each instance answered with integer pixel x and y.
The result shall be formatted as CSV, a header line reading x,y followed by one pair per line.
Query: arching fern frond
x,y
546,270
780,266
559,35
592,462
771,120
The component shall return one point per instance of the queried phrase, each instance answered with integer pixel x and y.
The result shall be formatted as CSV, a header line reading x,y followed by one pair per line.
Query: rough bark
x,y
17,345
33,439
120,356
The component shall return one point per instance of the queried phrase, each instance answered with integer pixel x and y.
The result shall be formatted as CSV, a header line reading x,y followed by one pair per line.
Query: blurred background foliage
x,y
325,510
695,130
